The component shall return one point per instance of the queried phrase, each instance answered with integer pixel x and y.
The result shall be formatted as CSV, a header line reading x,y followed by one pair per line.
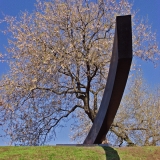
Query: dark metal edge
x,y
117,78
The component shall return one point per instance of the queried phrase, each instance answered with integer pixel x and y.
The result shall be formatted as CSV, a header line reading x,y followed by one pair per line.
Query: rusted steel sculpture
x,y
117,78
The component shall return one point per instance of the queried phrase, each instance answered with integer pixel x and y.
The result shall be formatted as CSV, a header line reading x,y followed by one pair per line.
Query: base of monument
x,y
84,145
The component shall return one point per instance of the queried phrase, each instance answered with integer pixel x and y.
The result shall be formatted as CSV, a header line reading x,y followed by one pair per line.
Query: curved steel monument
x,y
117,78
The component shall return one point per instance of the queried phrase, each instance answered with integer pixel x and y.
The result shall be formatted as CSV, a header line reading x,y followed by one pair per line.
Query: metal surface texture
x,y
116,82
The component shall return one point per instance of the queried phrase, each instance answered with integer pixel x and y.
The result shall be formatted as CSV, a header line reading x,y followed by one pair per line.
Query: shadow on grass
x,y
111,153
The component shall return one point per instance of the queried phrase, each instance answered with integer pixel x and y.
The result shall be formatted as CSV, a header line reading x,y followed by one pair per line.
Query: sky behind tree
x,y
147,8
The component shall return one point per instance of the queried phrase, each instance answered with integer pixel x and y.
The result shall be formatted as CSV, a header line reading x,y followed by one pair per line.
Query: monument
x,y
116,82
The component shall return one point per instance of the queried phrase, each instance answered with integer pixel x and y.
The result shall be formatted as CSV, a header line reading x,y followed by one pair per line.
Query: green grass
x,y
79,153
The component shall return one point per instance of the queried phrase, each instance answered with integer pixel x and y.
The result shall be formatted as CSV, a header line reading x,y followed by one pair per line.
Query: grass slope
x,y
79,153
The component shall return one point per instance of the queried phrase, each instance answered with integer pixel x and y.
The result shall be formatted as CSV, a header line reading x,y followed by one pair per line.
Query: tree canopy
x,y
59,58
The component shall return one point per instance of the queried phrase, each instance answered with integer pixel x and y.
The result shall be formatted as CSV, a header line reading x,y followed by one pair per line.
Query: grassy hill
x,y
79,153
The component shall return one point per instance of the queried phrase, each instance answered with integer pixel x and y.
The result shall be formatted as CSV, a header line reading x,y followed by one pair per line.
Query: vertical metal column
x,y
117,78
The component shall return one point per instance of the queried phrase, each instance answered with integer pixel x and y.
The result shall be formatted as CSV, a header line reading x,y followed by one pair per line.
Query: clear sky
x,y
148,8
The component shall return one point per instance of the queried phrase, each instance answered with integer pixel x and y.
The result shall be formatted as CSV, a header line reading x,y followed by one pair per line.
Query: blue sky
x,y
148,8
